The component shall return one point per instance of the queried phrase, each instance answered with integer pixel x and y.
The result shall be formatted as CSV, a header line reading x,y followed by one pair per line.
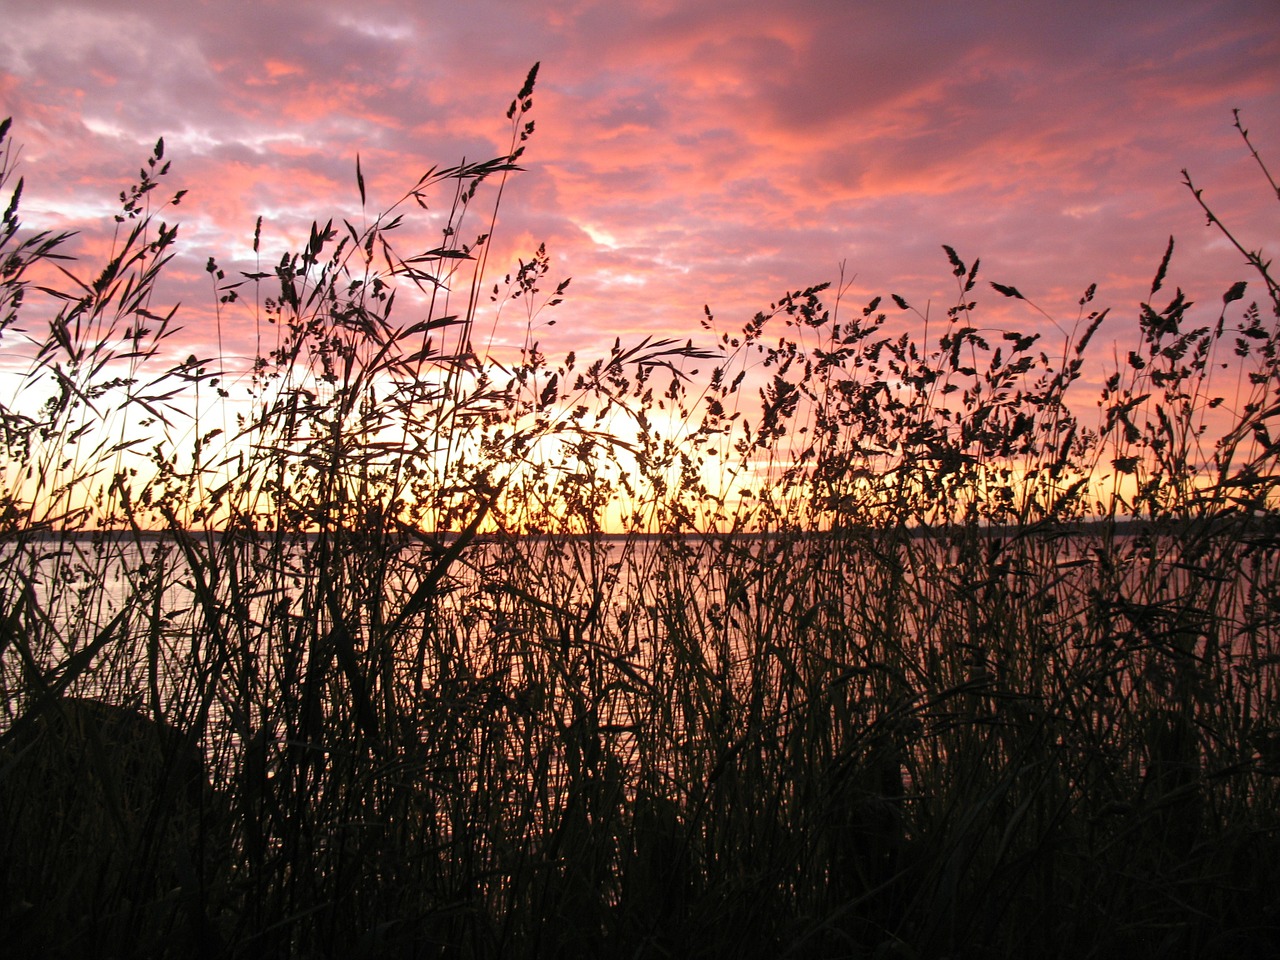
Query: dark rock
x,y
110,844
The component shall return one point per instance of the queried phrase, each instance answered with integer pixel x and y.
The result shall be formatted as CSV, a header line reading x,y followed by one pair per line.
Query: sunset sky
x,y
686,153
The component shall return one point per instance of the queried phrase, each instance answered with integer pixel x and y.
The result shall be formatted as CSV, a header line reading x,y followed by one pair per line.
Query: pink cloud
x,y
685,154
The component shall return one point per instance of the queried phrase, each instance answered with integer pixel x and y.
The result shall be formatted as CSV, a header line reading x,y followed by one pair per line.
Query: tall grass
x,y
901,649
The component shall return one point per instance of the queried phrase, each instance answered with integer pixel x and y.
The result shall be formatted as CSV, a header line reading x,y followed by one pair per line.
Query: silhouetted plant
x,y
824,640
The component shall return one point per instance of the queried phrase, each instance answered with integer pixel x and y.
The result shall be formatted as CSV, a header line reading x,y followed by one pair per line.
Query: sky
x,y
685,153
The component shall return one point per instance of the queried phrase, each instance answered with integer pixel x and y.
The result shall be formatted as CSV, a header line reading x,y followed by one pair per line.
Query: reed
x,y
907,645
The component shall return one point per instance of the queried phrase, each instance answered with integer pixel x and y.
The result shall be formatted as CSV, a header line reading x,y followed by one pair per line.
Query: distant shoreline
x,y
1119,527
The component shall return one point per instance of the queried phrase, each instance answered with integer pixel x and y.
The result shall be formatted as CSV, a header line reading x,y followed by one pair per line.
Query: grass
x,y
898,652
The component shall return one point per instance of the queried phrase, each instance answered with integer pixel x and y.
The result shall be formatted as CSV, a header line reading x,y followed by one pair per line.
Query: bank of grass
x,y
979,667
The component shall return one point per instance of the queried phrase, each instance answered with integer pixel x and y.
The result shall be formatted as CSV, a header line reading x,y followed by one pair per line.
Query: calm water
x,y
623,603
625,593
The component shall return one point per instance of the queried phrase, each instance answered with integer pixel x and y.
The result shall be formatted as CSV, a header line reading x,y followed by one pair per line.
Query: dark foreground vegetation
x,y
913,645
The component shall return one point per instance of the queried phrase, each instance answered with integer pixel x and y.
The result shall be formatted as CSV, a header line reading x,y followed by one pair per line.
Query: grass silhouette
x,y
894,646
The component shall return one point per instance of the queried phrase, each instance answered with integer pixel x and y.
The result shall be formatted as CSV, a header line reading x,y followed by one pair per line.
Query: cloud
x,y
715,153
